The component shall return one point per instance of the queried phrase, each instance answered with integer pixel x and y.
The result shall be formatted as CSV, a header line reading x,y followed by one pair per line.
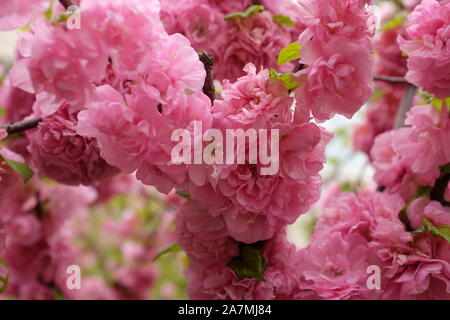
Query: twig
x,y
406,104
390,79
67,3
208,61
16,127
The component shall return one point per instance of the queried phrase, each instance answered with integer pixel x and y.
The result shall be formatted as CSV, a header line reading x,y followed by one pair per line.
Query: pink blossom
x,y
257,39
25,230
433,211
326,19
427,48
390,60
204,237
17,103
45,56
59,153
338,79
220,282
254,101
334,267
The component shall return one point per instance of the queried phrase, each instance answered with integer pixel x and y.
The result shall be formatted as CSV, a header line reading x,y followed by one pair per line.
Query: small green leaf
x,y
284,20
286,78
445,169
249,264
20,168
423,191
184,194
172,248
3,281
289,53
2,112
395,22
245,14
439,231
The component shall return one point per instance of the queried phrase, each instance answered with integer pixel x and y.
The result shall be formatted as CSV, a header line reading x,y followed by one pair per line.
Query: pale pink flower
x,y
433,211
427,47
17,13
254,101
326,19
338,77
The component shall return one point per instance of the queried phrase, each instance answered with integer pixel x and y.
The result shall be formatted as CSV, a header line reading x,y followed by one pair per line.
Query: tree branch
x,y
16,127
67,3
390,79
405,105
208,61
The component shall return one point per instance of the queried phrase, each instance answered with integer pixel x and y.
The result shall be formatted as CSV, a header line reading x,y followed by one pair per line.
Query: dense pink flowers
x,y
426,44
356,232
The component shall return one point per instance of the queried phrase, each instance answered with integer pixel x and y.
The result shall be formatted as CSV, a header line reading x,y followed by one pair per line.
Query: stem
x,y
390,79
67,3
406,104
208,61
16,127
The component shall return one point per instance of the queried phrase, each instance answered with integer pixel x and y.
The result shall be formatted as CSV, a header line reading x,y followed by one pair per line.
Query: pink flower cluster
x,y
239,206
255,39
360,231
426,45
336,54
410,157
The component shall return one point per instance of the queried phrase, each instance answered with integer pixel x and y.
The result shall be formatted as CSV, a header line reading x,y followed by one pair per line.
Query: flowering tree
x,y
135,128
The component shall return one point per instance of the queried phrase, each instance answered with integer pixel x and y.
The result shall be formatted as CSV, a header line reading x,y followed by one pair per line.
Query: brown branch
x,y
16,127
405,105
208,61
390,79
67,3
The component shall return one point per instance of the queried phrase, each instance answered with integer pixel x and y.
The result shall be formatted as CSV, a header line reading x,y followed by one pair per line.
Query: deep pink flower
x,y
58,152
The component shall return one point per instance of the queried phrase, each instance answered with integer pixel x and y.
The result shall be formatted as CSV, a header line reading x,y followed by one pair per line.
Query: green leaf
x,y
20,168
286,78
395,22
291,52
245,14
3,281
283,20
423,191
439,231
2,112
249,264
184,194
445,169
172,248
